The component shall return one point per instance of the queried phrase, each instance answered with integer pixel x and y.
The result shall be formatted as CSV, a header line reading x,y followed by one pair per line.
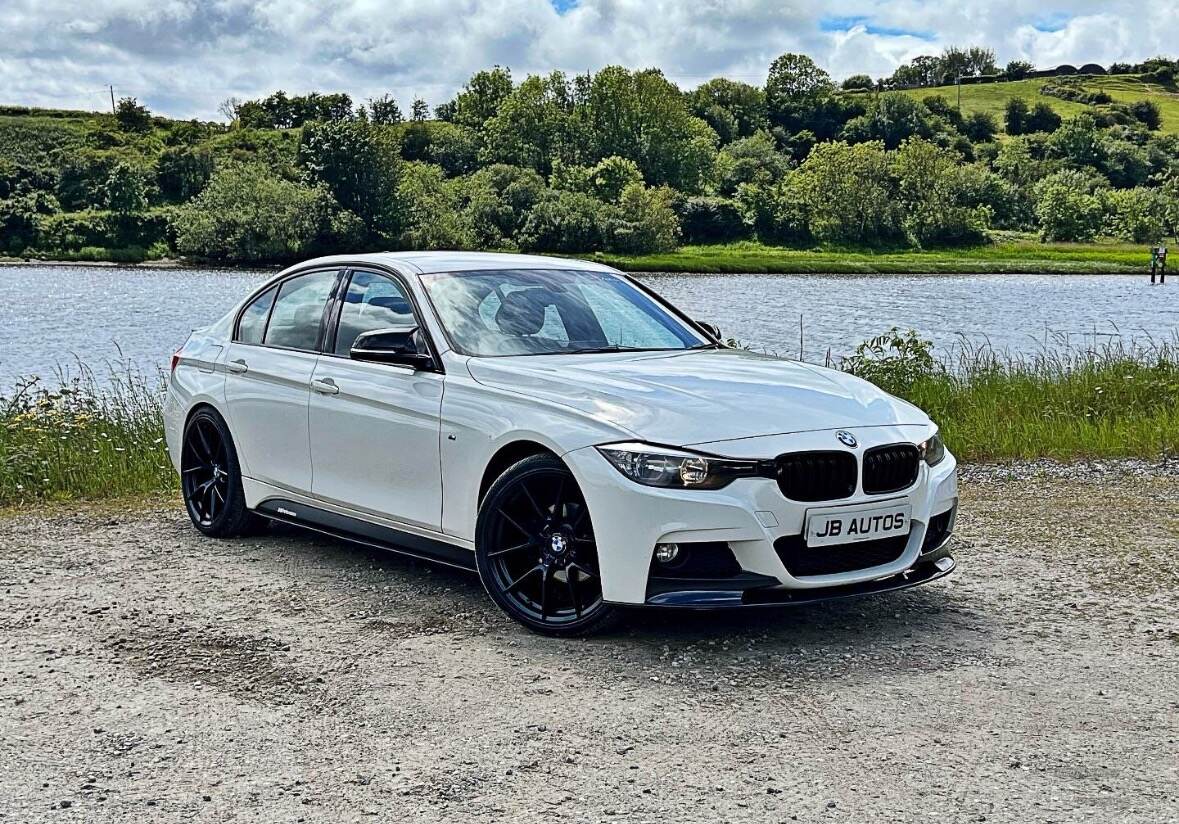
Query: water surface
x,y
51,316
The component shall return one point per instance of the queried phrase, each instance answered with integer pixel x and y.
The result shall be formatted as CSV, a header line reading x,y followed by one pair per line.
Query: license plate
x,y
841,525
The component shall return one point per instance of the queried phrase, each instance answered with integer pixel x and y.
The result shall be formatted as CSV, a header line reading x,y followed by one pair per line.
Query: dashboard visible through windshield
x,y
551,312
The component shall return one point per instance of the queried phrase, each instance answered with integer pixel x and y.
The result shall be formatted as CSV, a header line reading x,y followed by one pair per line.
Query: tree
x,y
892,118
1015,116
565,222
754,159
182,172
132,117
1147,113
481,97
433,219
1042,118
606,180
384,111
1018,69
710,220
126,189
861,82
794,86
1135,215
359,165
934,203
644,224
1078,142
850,193
247,214
733,109
228,107
532,126
420,110
1067,207
980,127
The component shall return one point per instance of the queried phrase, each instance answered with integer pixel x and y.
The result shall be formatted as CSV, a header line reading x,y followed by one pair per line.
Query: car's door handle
x,y
327,386
237,367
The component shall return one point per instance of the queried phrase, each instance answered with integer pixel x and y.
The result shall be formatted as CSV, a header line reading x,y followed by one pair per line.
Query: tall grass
x,y
85,438
79,438
1110,399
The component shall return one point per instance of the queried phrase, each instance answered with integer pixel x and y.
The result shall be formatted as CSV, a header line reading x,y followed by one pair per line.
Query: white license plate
x,y
843,525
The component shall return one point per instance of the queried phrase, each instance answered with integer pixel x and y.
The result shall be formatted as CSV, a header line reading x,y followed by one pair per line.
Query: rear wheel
x,y
211,479
536,553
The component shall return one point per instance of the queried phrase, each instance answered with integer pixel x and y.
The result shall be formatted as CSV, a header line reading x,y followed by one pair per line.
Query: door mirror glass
x,y
710,328
400,345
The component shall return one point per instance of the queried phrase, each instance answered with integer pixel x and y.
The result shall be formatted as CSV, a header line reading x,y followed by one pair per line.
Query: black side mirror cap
x,y
712,329
400,345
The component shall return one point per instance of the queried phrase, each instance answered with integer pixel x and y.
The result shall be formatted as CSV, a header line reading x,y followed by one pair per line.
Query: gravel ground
x,y
150,675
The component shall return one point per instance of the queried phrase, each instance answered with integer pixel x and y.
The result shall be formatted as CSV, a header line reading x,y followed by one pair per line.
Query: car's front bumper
x,y
750,516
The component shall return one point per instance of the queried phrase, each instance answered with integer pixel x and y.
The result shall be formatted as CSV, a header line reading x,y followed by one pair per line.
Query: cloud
x,y
182,57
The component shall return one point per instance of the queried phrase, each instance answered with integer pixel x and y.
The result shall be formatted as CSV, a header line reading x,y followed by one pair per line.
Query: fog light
x,y
666,553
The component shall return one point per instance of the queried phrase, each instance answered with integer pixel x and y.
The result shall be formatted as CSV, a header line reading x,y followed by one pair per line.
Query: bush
x,y
247,214
183,172
710,220
1067,209
605,180
980,127
132,117
893,361
753,159
58,234
858,82
1015,116
1135,215
778,213
644,222
1147,113
934,202
565,222
433,219
849,193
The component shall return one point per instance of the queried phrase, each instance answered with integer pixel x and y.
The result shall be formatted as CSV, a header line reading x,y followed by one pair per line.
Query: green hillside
x,y
993,97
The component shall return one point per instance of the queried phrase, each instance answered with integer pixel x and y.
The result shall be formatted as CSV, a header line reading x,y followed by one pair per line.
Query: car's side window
x,y
252,324
298,311
372,302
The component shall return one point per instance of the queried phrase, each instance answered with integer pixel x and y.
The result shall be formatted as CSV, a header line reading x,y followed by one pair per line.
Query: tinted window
x,y
295,319
252,324
372,302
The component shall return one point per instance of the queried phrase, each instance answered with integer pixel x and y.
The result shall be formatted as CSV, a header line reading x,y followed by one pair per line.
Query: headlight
x,y
661,466
933,451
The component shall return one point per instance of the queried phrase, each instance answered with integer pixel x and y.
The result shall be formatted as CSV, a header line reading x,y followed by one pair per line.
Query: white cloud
x,y
182,57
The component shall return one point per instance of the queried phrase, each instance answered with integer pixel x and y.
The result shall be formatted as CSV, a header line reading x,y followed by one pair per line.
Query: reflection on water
x,y
52,315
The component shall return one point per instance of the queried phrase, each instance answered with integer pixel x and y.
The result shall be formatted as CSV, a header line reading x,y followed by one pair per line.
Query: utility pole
x,y
116,111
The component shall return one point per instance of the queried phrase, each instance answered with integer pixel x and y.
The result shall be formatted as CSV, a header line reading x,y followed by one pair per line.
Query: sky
x,y
183,57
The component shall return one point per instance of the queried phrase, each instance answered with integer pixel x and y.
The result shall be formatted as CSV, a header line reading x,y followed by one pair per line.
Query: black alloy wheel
x,y
536,552
210,478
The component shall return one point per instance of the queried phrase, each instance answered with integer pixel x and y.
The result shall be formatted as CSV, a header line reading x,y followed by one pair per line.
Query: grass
x,y
992,97
1010,254
83,440
80,439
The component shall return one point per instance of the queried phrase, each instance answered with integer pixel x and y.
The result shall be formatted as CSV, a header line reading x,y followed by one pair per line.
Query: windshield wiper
x,y
614,347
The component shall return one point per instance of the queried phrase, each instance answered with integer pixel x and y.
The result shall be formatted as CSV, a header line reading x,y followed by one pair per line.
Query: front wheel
x,y
211,479
535,549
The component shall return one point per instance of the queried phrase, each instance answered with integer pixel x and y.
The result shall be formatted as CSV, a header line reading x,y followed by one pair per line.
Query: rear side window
x,y
252,324
298,311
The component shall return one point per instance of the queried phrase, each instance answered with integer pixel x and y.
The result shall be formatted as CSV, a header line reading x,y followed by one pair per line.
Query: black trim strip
x,y
368,534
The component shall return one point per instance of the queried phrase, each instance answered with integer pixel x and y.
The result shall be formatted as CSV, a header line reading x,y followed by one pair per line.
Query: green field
x,y
993,97
1010,254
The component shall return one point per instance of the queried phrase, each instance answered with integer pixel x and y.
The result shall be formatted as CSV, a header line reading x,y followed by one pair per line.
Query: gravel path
x,y
149,675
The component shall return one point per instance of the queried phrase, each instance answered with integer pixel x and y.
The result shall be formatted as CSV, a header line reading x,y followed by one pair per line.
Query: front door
x,y
374,427
269,368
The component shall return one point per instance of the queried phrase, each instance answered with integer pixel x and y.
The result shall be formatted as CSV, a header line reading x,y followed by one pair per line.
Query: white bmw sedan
x,y
561,429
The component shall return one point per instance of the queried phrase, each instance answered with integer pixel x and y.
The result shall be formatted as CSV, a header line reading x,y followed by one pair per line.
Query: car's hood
x,y
683,398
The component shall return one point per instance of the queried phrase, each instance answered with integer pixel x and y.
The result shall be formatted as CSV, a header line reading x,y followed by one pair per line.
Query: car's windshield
x,y
546,312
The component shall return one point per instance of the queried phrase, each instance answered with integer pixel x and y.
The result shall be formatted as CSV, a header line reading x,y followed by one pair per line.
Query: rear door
x,y
268,375
374,427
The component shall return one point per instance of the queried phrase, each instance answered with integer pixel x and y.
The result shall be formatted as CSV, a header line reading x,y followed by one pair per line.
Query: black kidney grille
x,y
817,476
801,561
890,468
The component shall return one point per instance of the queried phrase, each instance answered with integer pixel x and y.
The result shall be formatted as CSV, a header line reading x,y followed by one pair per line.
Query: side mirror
x,y
400,345
711,329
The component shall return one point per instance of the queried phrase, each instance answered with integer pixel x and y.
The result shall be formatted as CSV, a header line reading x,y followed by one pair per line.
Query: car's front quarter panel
x,y
479,421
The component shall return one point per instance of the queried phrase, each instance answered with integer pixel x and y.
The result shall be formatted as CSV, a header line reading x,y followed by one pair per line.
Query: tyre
x,y
211,479
535,550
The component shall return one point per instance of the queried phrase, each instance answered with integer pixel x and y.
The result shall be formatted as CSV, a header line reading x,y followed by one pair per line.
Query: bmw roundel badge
x,y
847,439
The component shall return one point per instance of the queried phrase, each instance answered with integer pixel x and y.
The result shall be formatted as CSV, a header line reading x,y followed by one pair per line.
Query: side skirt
x,y
365,533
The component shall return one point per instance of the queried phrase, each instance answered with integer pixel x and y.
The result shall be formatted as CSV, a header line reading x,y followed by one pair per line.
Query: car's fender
x,y
197,379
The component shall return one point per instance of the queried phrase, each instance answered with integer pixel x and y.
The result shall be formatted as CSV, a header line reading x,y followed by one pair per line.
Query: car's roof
x,y
428,262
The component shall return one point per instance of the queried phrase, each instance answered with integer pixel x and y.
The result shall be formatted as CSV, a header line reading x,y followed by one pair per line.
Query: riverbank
x,y
1001,258
1004,257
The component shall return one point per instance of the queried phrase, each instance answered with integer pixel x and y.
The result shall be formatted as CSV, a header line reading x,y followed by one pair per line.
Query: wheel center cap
x,y
558,544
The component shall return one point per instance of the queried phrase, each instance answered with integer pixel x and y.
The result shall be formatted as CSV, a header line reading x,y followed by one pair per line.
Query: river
x,y
52,317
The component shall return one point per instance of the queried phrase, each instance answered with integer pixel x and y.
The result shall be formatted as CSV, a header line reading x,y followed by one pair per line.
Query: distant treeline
x,y
619,160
